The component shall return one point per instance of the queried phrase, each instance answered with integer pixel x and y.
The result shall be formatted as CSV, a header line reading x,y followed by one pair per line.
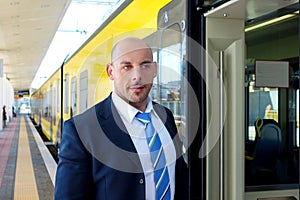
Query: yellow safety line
x,y
25,184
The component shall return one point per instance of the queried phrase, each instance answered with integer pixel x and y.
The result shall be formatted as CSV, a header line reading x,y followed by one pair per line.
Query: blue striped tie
x,y
161,175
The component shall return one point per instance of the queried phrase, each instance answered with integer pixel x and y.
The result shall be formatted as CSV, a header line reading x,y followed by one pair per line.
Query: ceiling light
x,y
272,21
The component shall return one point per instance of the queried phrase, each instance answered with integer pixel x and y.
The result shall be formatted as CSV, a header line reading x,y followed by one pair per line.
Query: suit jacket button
x,y
141,181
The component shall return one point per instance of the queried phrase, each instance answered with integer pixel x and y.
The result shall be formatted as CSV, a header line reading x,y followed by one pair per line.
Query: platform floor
x,y
27,169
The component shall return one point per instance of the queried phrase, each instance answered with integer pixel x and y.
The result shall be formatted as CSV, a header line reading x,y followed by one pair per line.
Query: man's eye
x,y
146,66
126,67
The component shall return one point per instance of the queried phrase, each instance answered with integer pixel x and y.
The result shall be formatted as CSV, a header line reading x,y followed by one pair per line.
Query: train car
x,y
228,70
81,81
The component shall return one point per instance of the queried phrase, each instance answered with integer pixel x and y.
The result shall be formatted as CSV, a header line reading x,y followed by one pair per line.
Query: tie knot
x,y
143,117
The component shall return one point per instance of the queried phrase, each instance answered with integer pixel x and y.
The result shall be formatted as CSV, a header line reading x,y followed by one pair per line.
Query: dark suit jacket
x,y
98,160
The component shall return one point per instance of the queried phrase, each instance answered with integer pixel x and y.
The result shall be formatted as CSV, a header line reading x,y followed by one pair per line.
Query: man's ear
x,y
109,71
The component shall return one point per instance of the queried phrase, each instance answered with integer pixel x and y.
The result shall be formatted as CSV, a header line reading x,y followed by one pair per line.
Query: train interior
x,y
266,92
276,103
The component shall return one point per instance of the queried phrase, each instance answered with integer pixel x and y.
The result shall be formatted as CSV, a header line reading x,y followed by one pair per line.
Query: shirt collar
x,y
127,111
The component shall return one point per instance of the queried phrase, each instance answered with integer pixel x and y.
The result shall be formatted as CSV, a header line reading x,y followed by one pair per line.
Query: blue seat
x,y
266,152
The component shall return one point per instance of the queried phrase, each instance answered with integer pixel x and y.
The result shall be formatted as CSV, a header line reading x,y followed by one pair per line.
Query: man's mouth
x,y
137,88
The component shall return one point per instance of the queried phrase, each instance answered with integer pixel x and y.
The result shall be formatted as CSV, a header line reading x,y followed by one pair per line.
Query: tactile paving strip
x,y
25,184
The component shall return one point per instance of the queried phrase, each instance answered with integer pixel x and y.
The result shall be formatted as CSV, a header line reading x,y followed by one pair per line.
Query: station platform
x,y
27,169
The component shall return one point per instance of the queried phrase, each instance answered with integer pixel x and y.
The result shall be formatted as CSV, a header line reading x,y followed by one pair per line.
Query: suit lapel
x,y
115,130
113,126
102,137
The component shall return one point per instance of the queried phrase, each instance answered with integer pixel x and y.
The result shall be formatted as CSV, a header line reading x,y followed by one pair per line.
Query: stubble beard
x,y
138,99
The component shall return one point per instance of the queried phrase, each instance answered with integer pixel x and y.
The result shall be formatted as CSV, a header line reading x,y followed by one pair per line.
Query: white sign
x,y
274,74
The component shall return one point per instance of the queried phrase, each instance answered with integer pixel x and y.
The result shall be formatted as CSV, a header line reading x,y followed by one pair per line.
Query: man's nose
x,y
137,73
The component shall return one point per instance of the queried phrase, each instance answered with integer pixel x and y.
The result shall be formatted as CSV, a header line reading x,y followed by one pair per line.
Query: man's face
x,y
133,72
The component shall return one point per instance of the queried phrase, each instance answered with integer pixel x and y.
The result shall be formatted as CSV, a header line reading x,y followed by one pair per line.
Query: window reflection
x,y
168,88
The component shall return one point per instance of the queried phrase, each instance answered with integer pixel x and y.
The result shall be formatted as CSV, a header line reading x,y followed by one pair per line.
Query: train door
x,y
171,83
179,86
207,47
225,48
83,91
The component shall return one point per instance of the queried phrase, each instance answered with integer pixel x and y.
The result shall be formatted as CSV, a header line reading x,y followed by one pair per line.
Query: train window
x,y
168,88
263,103
53,105
58,97
73,95
273,160
40,111
281,105
45,105
66,94
83,91
50,103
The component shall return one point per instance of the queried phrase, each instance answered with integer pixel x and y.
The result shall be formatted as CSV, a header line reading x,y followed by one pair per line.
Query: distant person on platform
x,y
127,146
14,111
4,116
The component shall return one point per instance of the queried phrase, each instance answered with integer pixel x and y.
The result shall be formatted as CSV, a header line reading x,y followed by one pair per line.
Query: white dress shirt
x,y
137,133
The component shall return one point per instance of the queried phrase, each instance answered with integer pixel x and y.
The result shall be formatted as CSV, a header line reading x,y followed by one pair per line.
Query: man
x,y
105,153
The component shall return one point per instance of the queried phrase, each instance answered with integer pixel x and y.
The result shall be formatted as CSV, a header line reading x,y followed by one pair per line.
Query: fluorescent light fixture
x,y
272,21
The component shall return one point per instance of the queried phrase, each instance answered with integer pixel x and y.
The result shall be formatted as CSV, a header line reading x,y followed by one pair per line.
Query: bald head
x,y
132,70
128,45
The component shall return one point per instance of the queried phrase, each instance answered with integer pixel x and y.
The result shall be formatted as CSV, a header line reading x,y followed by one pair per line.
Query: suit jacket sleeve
x,y
74,167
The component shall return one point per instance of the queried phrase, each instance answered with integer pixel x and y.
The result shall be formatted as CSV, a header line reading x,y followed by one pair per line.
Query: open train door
x,y
181,82
225,47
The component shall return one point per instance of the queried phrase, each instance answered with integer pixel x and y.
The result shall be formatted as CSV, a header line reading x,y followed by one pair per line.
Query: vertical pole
x,y
221,67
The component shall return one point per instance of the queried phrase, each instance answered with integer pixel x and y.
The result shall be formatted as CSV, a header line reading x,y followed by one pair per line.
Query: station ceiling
x,y
27,28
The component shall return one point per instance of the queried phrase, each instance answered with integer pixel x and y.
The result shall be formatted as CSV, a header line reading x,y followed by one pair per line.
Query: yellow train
x,y
207,53
82,80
